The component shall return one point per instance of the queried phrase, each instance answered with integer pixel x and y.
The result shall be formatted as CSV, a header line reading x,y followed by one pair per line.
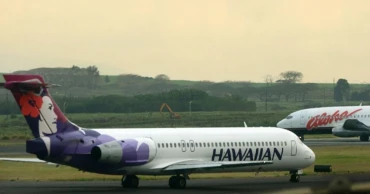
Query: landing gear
x,y
295,176
130,181
364,138
177,182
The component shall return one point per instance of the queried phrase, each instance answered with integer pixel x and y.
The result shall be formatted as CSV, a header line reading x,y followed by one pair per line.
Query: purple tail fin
x,y
37,106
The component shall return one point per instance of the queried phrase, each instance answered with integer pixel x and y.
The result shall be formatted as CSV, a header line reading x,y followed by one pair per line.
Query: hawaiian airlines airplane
x,y
153,151
341,121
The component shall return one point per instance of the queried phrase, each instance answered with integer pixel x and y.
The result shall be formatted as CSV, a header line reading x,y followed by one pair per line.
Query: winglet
x,y
245,124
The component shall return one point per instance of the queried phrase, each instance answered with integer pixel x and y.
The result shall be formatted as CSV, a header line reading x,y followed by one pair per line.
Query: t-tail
x,y
42,114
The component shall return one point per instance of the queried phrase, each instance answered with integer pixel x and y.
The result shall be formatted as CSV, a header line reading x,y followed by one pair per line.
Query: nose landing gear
x,y
295,176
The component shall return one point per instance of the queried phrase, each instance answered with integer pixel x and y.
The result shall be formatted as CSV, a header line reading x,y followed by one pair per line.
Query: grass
x,y
344,159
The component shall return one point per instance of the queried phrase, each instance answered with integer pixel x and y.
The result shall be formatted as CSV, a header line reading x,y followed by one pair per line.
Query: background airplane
x,y
152,151
341,121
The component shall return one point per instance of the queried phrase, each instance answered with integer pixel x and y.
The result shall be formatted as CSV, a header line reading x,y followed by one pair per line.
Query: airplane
x,y
177,152
341,121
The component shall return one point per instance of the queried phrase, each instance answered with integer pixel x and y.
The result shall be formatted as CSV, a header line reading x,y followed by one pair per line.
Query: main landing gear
x,y
364,138
175,182
130,181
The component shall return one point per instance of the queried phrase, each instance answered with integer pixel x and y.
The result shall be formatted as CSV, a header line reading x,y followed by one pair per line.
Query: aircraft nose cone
x,y
280,124
312,156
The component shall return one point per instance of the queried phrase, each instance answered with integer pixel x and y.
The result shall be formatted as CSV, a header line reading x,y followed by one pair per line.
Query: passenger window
x,y
255,144
243,144
196,144
232,144
166,145
277,143
200,144
285,143
159,145
212,144
273,143
263,144
208,144
258,143
187,144
220,144
174,144
171,145
192,144
204,144
240,144
228,144
247,144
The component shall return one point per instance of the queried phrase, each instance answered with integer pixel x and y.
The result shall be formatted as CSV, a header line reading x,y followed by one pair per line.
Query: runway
x,y
231,186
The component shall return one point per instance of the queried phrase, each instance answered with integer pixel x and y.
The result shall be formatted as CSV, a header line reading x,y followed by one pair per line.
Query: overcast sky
x,y
190,39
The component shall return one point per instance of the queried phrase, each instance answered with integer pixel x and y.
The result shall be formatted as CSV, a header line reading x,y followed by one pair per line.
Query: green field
x,y
344,159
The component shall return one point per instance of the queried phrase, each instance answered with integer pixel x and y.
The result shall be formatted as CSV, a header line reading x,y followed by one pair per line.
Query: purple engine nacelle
x,y
127,152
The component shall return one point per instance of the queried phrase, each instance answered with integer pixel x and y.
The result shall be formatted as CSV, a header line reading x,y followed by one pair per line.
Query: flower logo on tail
x,y
30,105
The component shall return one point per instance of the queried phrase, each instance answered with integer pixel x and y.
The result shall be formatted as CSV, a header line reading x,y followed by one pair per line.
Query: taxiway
x,y
232,186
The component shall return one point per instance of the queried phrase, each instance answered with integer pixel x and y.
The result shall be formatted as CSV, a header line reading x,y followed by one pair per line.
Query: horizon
x,y
191,40
333,81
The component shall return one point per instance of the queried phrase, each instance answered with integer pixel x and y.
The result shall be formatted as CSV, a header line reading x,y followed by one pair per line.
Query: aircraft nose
x,y
313,156
280,124
310,155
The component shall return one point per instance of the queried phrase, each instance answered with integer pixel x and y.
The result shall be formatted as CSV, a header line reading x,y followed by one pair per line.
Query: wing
x,y
198,164
33,160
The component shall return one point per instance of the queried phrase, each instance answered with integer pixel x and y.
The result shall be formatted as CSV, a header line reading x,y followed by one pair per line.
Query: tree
x,y
106,79
162,77
268,80
290,77
342,90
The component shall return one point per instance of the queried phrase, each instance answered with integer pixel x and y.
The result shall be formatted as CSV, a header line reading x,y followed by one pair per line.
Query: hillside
x,y
87,82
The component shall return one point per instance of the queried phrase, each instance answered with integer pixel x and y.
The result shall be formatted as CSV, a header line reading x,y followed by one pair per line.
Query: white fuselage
x,y
237,144
324,118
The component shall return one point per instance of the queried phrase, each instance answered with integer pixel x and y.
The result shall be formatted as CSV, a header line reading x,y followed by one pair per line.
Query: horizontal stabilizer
x,y
197,164
18,84
33,160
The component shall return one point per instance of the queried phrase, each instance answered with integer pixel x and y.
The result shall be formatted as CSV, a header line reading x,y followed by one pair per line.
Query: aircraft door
x,y
183,146
192,146
294,148
302,119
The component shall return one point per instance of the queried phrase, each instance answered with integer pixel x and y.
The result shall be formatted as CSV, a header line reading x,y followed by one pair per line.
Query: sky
x,y
216,40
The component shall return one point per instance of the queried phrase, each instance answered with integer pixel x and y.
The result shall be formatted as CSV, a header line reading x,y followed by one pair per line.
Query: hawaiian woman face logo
x,y
42,107
48,118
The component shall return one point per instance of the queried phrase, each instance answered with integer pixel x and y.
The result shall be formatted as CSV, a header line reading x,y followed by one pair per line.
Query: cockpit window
x,y
289,117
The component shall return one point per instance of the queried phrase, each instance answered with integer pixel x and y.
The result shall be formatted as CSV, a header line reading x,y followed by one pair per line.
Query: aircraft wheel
x,y
364,138
177,182
130,181
295,178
